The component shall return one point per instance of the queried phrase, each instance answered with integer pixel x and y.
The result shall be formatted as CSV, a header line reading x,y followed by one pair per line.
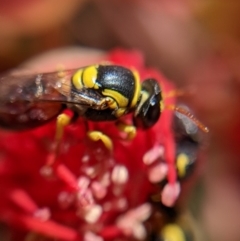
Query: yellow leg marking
x,y
62,121
128,129
99,136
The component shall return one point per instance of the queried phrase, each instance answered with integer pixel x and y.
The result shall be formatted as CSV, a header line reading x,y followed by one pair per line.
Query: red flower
x,y
90,193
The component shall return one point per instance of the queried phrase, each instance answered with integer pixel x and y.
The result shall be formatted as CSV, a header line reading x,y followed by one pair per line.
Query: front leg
x,y
63,120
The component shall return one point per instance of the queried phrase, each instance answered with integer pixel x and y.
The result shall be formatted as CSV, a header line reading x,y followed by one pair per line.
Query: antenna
x,y
190,116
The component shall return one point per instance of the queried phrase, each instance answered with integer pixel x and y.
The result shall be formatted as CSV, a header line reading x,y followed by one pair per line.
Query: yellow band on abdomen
x,y
77,79
89,77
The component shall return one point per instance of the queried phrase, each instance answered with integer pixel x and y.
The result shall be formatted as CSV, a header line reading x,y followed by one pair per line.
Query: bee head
x,y
148,109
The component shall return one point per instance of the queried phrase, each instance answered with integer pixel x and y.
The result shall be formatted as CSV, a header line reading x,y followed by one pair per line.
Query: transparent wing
x,y
28,101
46,87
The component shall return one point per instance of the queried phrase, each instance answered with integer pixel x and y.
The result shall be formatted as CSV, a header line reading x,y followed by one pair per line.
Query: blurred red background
x,y
193,43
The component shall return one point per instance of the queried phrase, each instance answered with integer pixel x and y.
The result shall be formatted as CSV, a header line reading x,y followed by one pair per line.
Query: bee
x,y
188,141
173,224
96,93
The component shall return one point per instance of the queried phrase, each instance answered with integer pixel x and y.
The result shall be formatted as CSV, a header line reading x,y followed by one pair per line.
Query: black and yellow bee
x,y
96,93
188,141
173,224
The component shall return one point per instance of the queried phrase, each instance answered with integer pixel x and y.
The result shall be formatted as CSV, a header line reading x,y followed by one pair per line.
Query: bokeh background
x,y
194,43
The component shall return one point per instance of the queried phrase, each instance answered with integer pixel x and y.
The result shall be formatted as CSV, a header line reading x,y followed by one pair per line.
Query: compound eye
x,y
149,111
152,114
148,115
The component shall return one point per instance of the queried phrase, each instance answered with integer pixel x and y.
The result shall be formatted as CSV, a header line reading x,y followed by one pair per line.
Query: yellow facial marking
x,y
173,232
121,100
144,97
89,77
137,89
182,162
77,79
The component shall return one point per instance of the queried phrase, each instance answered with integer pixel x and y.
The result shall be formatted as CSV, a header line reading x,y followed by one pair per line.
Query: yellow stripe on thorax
x,y
121,100
137,89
